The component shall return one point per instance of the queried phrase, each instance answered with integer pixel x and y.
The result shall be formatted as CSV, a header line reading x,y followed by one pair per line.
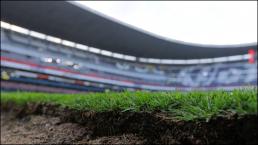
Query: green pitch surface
x,y
185,106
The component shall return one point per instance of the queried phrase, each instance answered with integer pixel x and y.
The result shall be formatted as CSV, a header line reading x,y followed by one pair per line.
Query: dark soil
x,y
46,123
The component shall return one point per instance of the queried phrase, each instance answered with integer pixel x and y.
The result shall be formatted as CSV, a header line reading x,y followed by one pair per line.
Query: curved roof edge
x,y
79,24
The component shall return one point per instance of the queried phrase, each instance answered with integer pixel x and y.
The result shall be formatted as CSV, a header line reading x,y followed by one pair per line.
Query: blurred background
x,y
75,47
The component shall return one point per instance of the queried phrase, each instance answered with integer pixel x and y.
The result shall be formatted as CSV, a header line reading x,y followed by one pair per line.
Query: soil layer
x,y
46,123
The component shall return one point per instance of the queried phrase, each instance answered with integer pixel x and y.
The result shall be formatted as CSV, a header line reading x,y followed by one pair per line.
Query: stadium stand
x,y
44,64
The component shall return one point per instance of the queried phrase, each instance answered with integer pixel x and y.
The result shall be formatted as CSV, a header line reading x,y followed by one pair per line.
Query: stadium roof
x,y
72,22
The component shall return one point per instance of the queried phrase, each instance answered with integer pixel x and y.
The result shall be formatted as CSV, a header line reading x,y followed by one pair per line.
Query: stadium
x,y
62,54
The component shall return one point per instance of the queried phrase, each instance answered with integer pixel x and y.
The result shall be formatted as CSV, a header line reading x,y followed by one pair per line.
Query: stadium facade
x,y
75,49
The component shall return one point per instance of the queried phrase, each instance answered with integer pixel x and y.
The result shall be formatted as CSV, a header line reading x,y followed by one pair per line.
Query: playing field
x,y
195,117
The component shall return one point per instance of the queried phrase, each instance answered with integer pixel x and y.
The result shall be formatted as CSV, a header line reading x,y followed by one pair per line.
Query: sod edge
x,y
149,126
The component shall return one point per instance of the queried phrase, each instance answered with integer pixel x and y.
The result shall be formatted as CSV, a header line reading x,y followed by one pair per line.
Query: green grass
x,y
185,106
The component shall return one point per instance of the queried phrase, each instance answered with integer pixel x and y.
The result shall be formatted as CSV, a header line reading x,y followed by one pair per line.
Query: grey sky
x,y
203,22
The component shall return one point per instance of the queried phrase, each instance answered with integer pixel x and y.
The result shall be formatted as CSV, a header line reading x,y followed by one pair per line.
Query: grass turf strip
x,y
180,105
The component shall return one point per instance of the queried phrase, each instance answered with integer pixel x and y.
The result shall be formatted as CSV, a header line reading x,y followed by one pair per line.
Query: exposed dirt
x,y
46,123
